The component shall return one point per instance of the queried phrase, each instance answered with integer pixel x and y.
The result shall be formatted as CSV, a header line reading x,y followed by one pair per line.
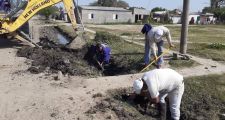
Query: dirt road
x,y
39,97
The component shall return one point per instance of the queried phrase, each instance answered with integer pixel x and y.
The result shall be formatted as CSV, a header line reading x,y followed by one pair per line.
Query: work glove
x,y
155,58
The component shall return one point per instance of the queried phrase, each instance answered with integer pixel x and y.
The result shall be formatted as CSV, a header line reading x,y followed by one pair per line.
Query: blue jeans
x,y
148,52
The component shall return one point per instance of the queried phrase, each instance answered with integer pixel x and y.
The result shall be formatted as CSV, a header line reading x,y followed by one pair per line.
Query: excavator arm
x,y
33,6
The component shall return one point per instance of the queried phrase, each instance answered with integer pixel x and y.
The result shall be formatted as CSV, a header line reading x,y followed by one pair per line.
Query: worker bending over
x,y
161,83
103,52
154,35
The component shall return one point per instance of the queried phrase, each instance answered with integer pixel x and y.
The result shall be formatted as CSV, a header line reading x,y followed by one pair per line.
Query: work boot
x,y
163,109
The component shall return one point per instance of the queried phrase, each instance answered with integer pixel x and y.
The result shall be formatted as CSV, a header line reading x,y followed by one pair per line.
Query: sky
x,y
195,5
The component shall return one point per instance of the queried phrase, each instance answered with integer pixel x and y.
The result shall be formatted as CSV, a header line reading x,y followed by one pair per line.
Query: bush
x,y
49,11
217,46
126,34
105,37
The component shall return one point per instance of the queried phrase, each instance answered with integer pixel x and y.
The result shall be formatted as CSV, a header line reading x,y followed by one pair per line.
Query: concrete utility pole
x,y
184,31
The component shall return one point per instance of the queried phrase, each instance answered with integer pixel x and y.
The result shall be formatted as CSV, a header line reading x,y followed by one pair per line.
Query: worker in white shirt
x,y
161,83
154,35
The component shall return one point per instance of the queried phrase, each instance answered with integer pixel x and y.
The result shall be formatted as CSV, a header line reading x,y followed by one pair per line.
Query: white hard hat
x,y
137,86
158,34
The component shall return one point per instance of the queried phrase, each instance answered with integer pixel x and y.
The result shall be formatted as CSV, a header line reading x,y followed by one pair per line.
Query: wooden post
x,y
184,31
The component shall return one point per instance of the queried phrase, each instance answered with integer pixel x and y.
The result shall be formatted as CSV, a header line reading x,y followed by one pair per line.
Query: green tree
x,y
122,4
207,10
216,3
158,9
49,11
219,13
110,3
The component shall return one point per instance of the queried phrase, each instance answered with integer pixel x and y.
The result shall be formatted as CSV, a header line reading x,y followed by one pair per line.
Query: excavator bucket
x,y
27,9
76,21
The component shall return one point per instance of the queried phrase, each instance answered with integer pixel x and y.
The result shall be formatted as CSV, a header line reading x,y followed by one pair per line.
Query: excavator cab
x,y
21,11
8,8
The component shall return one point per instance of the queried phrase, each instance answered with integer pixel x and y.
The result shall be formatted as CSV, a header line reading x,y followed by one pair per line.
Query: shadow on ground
x,y
9,43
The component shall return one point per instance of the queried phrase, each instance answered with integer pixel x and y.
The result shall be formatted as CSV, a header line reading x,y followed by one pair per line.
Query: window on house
x,y
115,17
91,16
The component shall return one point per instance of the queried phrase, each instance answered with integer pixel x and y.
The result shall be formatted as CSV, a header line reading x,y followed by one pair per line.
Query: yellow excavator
x,y
11,27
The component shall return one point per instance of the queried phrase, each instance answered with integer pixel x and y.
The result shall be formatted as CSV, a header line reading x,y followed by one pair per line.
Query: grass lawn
x,y
182,63
201,33
198,33
210,51
204,50
205,95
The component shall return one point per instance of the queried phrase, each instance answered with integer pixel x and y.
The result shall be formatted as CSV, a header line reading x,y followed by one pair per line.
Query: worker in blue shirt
x,y
103,52
1,1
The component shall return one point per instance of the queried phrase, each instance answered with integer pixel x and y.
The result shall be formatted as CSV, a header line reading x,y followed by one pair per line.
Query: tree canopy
x,y
216,3
110,3
217,9
49,11
158,9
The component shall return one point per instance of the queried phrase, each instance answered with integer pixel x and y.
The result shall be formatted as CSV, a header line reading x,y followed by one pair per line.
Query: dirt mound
x,y
125,109
72,61
56,59
194,106
49,33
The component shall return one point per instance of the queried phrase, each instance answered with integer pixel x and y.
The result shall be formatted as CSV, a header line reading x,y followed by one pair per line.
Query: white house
x,y
158,15
194,15
207,18
176,19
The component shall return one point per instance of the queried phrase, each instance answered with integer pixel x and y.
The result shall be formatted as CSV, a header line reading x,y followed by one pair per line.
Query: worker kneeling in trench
x,y
100,53
159,84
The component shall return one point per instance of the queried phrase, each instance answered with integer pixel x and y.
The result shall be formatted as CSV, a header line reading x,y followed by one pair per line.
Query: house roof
x,y
195,13
207,14
160,12
104,8
140,11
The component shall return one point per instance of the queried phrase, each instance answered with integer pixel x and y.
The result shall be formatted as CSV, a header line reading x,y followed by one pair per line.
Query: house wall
x,y
195,18
100,16
176,19
203,20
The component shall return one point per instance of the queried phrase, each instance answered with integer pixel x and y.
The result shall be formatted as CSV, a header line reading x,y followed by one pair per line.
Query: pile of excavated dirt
x,y
199,106
49,33
54,58
125,109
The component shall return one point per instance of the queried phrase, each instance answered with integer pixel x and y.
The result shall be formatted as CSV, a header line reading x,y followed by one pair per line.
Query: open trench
x,y
56,55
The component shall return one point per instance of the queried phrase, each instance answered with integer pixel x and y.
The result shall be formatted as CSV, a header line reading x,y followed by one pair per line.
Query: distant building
x,y
207,18
198,18
195,16
101,15
140,14
159,16
175,16
176,19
